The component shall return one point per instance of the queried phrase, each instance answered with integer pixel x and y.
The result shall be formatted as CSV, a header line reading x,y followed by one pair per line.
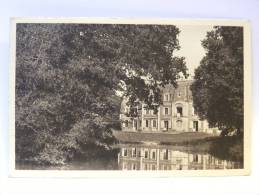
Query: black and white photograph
x,y
134,97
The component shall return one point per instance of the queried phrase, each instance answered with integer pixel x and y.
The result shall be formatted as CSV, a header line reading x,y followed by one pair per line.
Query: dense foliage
x,y
218,86
70,78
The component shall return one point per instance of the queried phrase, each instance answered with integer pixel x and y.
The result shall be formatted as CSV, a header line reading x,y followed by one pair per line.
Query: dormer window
x,y
166,97
147,111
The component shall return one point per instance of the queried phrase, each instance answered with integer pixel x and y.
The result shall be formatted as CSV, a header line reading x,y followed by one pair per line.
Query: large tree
x,y
70,77
218,81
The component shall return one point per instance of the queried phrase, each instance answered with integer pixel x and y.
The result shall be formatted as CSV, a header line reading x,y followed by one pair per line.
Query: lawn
x,y
138,137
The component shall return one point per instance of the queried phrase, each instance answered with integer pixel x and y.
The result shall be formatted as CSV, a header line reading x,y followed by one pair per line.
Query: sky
x,y
190,42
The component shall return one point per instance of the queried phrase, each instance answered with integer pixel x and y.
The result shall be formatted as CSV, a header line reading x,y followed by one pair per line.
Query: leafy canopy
x,y
69,77
218,87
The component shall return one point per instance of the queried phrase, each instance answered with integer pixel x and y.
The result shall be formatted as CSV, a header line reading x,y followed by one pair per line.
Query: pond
x,y
159,157
147,156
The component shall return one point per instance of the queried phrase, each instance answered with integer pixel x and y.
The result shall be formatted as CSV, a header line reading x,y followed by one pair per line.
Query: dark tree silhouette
x,y
218,86
69,77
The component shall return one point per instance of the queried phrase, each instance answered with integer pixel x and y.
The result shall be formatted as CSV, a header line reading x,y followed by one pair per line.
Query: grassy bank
x,y
174,138
93,158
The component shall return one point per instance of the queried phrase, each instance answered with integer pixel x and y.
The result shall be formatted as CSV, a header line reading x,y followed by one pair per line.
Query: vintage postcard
x,y
95,97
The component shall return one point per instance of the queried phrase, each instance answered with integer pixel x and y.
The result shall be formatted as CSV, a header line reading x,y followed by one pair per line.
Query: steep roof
x,y
181,83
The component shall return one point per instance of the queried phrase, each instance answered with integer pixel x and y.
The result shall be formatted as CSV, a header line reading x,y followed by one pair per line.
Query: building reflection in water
x,y
151,158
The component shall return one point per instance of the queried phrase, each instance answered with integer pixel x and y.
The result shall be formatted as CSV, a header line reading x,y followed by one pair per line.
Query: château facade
x,y
176,114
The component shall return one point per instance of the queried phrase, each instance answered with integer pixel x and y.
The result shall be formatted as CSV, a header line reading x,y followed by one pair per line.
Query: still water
x,y
157,157
146,156
154,157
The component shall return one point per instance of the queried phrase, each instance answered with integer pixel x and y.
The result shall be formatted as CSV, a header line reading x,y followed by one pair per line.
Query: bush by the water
x,y
228,147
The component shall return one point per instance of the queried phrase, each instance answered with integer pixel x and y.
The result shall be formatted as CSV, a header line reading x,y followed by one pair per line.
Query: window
x,y
134,167
166,155
179,124
146,123
179,93
195,158
135,110
154,123
146,167
179,161
147,111
146,154
166,97
153,155
134,152
179,110
196,125
126,123
124,165
135,123
166,125
210,159
166,111
194,112
125,152
153,167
